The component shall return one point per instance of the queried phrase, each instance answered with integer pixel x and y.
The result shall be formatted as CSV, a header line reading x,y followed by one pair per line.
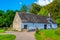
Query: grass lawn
x,y
2,30
7,37
47,35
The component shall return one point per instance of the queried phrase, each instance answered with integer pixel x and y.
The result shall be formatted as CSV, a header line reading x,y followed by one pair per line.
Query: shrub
x,y
58,31
37,30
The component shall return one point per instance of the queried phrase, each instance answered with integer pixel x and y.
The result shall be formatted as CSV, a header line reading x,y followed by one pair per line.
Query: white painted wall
x,y
39,25
54,25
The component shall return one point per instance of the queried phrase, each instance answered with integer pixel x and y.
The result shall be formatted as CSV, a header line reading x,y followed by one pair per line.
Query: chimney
x,y
49,15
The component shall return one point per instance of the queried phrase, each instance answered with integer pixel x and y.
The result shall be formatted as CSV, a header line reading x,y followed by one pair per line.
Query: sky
x,y
17,4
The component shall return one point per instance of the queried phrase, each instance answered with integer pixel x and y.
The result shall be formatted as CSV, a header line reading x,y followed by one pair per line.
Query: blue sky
x,y
17,4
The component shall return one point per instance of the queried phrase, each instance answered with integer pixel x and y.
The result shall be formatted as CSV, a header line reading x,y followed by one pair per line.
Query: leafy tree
x,y
43,11
24,8
35,8
2,16
58,22
6,19
1,12
9,17
54,9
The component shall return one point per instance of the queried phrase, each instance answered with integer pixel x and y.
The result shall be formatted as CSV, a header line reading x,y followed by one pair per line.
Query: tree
x,y
35,8
58,21
43,11
9,17
24,8
54,9
2,16
1,12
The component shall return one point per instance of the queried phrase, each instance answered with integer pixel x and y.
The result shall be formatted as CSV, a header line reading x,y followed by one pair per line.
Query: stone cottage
x,y
28,21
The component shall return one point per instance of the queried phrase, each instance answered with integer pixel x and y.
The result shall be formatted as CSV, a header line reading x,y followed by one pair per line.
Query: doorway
x,y
45,26
25,26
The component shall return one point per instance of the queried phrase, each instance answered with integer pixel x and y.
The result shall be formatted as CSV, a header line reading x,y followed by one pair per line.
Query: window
x,y
51,25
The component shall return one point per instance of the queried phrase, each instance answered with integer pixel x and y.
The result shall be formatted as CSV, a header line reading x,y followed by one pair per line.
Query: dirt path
x,y
22,35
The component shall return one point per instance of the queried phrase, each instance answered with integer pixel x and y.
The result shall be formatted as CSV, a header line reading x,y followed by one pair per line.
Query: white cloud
x,y
20,3
43,2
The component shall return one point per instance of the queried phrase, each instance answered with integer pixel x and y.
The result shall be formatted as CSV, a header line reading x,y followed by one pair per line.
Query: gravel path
x,y
22,35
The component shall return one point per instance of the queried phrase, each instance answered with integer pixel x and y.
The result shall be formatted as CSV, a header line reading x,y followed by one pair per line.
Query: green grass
x,y
10,29
47,35
2,30
7,37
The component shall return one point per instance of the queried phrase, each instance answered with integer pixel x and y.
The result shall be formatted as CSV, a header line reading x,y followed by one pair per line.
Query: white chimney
x,y
49,15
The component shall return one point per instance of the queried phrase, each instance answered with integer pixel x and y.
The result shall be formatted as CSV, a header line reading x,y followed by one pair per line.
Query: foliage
x,y
48,35
24,8
58,31
2,15
43,11
54,9
35,8
37,36
37,30
9,17
6,18
7,37
58,22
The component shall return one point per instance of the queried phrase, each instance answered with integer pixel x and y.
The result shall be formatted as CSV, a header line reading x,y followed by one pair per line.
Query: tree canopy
x,y
54,9
43,11
35,8
6,18
24,8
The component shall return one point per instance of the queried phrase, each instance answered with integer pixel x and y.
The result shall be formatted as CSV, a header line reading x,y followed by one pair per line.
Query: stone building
x,y
28,21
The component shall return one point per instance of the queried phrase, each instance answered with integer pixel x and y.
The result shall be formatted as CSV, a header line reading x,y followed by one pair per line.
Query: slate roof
x,y
32,18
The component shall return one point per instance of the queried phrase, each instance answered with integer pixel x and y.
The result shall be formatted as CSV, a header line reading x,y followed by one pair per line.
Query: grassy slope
x,y
7,37
2,31
47,35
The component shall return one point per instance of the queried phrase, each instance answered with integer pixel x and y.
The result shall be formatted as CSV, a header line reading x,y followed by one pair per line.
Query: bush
x,y
37,30
58,31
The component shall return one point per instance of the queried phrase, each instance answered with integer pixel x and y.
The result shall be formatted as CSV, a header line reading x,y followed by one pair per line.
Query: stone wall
x,y
17,23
